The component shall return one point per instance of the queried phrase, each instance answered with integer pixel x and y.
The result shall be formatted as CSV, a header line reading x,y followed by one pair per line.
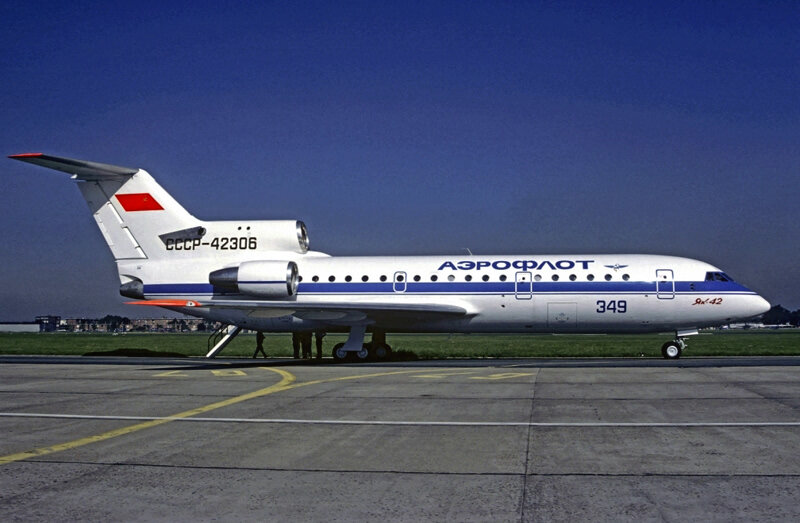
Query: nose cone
x,y
760,305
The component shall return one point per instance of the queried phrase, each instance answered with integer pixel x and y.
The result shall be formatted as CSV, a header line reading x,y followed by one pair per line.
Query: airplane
x,y
260,275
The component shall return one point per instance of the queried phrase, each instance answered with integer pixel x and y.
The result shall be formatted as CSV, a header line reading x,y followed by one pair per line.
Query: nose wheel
x,y
672,350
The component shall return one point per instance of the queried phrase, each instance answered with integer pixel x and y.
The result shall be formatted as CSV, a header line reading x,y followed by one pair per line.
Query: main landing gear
x,y
354,349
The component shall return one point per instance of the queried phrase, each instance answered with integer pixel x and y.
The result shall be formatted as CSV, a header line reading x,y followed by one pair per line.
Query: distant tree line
x,y
778,315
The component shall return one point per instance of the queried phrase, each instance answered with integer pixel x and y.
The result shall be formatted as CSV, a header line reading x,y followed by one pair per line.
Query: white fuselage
x,y
559,293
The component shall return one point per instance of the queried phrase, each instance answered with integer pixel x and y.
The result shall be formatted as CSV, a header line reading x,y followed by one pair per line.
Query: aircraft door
x,y
399,283
523,288
665,284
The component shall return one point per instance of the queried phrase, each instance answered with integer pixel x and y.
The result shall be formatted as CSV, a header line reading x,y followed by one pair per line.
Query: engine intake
x,y
264,279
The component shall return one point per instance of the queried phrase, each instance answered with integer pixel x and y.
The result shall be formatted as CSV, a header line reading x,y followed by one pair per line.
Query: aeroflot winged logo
x,y
138,202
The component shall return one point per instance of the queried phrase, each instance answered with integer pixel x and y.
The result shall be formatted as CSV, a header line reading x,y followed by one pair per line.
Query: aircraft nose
x,y
759,305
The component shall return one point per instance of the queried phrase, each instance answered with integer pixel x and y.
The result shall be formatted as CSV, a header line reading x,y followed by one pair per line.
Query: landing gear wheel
x,y
338,353
363,354
381,352
671,350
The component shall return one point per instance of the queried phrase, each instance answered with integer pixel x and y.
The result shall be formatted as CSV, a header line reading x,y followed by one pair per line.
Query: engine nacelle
x,y
282,235
264,279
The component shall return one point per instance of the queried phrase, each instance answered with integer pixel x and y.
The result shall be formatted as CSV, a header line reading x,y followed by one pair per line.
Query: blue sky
x,y
405,127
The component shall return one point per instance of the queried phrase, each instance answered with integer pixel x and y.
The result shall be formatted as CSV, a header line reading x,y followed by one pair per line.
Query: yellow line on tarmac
x,y
344,378
287,379
286,383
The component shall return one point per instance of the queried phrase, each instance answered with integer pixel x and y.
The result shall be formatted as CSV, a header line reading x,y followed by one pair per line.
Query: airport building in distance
x,y
49,323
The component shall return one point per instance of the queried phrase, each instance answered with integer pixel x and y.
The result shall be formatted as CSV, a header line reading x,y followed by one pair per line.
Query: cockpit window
x,y
717,276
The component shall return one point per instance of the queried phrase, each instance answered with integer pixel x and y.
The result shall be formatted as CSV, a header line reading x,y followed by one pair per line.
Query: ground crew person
x,y
296,344
259,345
305,341
318,335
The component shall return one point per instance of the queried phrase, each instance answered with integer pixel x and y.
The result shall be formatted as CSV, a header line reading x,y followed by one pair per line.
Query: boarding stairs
x,y
220,339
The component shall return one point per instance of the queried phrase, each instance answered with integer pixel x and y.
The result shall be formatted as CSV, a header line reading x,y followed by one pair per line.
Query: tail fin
x,y
132,211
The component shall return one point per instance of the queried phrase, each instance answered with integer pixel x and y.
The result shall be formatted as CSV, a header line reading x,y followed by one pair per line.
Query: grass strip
x,y
422,346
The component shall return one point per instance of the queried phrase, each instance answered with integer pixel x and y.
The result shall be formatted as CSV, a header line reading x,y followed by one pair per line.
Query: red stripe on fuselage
x,y
138,202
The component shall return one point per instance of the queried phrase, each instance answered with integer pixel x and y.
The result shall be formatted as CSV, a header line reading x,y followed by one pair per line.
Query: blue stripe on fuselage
x,y
446,287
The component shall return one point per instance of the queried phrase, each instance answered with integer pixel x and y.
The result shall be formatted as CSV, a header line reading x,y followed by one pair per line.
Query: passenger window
x,y
315,278
626,277
364,278
485,277
348,278
503,277
468,277
608,277
555,277
538,277
383,277
416,277
331,278
572,277
590,277
451,278
434,277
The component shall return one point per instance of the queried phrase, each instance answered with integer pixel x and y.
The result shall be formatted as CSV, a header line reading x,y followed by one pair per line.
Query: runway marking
x,y
229,372
172,374
438,375
557,424
286,380
286,383
504,376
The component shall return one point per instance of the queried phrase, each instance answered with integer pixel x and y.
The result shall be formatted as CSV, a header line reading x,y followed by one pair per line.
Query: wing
x,y
336,313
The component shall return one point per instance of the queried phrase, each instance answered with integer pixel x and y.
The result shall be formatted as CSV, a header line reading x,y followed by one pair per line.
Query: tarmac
x,y
457,440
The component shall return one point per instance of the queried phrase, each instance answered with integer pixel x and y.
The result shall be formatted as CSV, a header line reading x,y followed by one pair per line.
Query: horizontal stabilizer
x,y
82,169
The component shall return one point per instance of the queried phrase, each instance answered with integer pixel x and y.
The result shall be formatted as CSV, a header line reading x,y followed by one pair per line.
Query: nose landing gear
x,y
672,350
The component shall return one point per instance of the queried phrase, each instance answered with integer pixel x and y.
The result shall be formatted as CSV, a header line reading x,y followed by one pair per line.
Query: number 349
x,y
612,306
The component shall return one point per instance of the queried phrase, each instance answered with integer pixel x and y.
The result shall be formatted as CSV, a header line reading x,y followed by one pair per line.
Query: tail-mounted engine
x,y
263,279
282,235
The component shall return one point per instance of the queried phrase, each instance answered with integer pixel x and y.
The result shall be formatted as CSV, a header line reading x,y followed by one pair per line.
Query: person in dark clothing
x,y
296,344
318,335
259,345
305,341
